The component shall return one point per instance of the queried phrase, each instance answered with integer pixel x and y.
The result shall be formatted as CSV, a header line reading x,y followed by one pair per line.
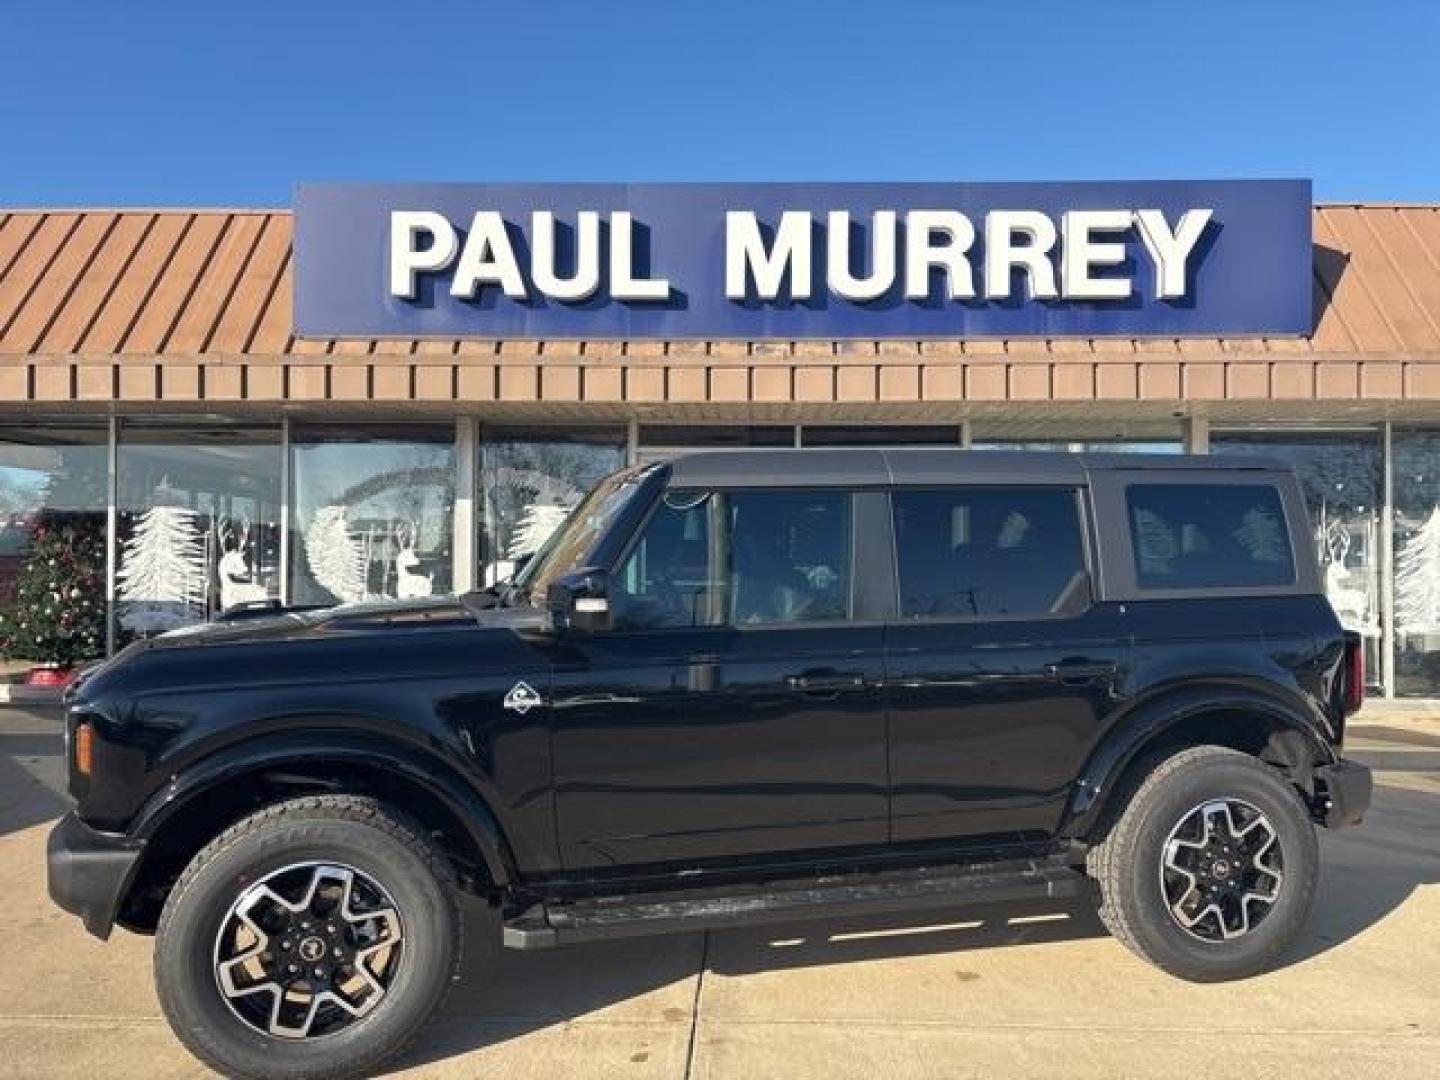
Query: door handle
x,y
1081,671
825,682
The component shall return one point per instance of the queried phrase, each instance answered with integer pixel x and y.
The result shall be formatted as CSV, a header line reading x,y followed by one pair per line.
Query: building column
x,y
1387,564
112,521
462,539
287,468
1197,435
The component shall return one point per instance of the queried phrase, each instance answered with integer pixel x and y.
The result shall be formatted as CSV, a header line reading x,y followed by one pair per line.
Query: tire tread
x,y
1109,862
307,809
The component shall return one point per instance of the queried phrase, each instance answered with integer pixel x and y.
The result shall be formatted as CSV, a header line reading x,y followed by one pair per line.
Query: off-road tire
x,y
357,831
1126,863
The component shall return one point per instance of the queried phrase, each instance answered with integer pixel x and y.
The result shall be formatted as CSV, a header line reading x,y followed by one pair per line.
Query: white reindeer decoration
x,y
1352,605
237,579
409,585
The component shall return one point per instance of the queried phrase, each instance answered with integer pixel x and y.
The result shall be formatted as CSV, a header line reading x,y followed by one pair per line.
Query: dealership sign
x,y
1173,259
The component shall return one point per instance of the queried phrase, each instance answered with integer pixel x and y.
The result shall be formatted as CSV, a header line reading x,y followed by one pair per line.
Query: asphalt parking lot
x,y
1033,993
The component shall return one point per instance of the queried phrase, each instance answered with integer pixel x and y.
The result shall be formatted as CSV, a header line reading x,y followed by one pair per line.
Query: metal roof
x,y
216,282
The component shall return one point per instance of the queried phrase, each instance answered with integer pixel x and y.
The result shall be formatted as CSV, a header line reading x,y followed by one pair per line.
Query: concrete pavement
x,y
1033,993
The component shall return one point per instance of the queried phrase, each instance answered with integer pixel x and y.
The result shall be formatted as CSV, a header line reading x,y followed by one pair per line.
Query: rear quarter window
x,y
1209,536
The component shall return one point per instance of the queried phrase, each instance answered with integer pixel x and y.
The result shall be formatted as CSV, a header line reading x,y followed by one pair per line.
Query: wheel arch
x,y
217,791
1264,725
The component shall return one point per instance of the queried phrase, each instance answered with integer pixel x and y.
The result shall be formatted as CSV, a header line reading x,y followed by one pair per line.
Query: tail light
x,y
1354,673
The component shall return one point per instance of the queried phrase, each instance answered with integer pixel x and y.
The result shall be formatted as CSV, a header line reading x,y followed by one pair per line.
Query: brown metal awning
x,y
192,309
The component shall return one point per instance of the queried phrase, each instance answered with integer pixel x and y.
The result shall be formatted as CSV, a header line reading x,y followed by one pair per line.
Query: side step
x,y
548,924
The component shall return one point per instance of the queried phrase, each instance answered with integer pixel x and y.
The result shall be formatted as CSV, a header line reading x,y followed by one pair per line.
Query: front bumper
x,y
1342,793
88,871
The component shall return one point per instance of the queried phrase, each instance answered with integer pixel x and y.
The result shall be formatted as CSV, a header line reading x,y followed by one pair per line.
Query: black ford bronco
x,y
731,688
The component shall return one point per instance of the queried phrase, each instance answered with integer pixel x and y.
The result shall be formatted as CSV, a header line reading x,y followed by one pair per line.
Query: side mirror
x,y
581,601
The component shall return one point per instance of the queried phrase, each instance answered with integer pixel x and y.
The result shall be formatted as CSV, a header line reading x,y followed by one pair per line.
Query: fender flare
x,y
1149,720
276,752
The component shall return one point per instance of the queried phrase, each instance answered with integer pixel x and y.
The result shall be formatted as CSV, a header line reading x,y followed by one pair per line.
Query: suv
x,y
732,687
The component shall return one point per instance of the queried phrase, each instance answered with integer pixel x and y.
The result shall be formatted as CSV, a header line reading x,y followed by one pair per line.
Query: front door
x,y
735,710
1001,672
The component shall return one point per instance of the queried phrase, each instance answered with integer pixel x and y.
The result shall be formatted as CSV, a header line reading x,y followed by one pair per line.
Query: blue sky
x,y
229,104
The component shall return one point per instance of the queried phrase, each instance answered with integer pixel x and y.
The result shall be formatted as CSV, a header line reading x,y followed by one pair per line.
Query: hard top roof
x,y
927,465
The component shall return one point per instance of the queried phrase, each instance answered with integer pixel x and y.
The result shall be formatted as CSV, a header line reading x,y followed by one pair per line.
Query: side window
x,y
788,556
971,552
666,579
746,558
1209,535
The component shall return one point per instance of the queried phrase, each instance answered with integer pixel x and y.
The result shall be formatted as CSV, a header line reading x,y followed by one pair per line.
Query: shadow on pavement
x,y
29,777
503,995
1367,873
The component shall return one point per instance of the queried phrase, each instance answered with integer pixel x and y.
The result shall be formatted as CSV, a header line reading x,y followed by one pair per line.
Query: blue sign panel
x,y
835,261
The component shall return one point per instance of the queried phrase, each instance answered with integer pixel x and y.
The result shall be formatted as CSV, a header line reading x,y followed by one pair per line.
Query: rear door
x,y
1001,670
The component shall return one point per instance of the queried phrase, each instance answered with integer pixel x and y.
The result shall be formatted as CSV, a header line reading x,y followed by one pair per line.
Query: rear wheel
x,y
1210,869
312,939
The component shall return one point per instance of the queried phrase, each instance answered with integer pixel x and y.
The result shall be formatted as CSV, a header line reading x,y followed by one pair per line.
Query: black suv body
x,y
732,687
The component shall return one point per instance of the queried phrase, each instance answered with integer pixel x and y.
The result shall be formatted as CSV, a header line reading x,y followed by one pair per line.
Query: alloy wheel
x,y
308,950
1221,870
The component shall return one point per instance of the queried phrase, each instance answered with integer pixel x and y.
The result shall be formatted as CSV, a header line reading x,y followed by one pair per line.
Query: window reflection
x,y
52,547
1416,479
1341,476
373,512
198,523
531,478
752,558
1108,446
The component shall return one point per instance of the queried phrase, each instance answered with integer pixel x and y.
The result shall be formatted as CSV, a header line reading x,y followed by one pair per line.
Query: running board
x,y
548,924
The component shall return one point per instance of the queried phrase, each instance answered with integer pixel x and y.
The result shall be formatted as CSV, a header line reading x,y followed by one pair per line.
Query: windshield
x,y
570,545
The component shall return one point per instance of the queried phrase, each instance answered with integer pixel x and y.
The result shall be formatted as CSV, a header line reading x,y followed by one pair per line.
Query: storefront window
x,y
1110,446
198,522
881,435
1341,477
373,512
52,547
716,436
1416,480
531,478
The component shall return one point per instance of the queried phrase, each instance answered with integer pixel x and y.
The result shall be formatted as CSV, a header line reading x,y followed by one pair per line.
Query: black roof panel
x,y
926,465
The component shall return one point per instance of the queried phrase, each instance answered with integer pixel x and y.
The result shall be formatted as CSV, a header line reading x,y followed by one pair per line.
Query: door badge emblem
x,y
522,698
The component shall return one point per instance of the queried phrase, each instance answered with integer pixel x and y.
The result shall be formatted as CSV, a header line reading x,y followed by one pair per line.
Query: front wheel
x,y
312,939
1210,870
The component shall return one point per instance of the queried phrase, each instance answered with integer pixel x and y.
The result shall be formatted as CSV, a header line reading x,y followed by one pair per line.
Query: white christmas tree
x,y
336,555
1262,536
537,522
1417,579
1155,542
162,579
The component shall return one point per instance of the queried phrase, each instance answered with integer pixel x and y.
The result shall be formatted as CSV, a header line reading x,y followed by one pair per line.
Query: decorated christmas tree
x,y
58,615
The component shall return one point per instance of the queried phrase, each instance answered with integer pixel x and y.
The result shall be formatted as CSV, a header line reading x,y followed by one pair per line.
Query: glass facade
x,y
372,512
158,523
1415,468
1342,477
530,479
197,523
53,513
